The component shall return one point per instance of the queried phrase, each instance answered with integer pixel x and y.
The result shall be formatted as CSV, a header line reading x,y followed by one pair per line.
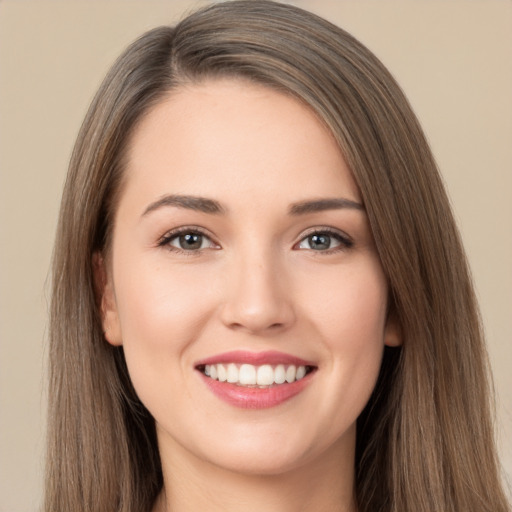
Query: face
x,y
243,281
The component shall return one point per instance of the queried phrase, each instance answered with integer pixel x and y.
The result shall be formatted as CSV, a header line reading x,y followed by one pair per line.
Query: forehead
x,y
233,137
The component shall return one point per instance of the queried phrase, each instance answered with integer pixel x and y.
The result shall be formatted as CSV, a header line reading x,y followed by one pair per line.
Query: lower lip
x,y
256,398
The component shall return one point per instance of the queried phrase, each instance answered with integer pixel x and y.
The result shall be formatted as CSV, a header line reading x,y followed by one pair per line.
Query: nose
x,y
258,298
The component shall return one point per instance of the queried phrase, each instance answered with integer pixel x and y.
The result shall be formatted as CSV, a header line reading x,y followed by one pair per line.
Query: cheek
x,y
352,321
358,337
154,298
162,311
351,306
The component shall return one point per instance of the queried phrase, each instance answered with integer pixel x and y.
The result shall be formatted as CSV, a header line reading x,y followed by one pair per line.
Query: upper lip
x,y
255,358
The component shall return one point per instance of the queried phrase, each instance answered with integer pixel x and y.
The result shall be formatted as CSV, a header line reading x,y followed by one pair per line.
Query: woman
x,y
260,296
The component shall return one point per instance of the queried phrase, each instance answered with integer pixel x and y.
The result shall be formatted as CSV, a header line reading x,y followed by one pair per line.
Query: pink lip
x,y
254,397
255,358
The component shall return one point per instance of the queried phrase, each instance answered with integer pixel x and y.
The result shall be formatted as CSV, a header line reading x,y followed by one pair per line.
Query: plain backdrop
x,y
453,59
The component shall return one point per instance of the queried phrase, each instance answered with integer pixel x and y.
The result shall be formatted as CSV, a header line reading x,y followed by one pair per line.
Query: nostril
x,y
257,301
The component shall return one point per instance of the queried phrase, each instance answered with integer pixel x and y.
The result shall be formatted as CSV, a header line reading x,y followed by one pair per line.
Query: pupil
x,y
319,242
191,241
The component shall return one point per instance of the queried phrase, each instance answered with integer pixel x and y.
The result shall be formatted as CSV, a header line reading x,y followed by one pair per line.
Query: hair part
x,y
425,440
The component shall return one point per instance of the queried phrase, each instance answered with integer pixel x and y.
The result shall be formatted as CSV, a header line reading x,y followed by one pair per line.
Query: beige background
x,y
453,58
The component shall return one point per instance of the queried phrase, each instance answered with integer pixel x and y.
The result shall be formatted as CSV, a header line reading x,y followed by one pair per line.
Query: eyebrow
x,y
205,205
320,205
199,204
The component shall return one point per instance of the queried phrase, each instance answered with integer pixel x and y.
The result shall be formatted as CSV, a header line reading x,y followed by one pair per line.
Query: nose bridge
x,y
257,298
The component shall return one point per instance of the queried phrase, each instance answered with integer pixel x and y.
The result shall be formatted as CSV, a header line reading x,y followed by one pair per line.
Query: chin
x,y
258,463
276,451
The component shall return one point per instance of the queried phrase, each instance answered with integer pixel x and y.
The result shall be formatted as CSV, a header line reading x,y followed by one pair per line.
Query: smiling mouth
x,y
255,376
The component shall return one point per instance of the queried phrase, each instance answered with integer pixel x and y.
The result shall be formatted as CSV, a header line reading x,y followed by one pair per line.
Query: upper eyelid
x,y
325,229
345,241
172,233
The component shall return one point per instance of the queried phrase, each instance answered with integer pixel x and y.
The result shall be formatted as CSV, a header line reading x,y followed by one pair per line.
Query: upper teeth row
x,y
250,375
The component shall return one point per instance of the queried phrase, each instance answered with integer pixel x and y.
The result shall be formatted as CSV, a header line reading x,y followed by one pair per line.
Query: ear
x,y
392,331
106,300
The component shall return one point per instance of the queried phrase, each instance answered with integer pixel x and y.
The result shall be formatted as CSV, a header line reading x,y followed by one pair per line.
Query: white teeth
x,y
279,374
247,375
250,375
232,373
265,376
291,373
222,374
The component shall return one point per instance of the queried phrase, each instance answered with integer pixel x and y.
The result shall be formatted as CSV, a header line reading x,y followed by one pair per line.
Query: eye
x,y
325,241
187,240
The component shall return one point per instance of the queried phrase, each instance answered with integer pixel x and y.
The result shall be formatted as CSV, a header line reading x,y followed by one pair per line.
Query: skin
x,y
255,284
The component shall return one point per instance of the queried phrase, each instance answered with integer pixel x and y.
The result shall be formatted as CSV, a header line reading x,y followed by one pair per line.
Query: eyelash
x,y
166,240
344,241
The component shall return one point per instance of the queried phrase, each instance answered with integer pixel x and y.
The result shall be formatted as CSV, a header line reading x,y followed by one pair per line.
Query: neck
x,y
322,485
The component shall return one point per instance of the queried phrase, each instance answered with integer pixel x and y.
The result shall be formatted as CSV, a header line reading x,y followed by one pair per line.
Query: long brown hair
x,y
425,440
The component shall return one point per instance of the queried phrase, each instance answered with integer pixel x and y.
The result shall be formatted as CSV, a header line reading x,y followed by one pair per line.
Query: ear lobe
x,y
106,301
392,331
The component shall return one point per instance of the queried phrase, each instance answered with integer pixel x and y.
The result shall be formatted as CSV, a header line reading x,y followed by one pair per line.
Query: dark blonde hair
x,y
425,440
